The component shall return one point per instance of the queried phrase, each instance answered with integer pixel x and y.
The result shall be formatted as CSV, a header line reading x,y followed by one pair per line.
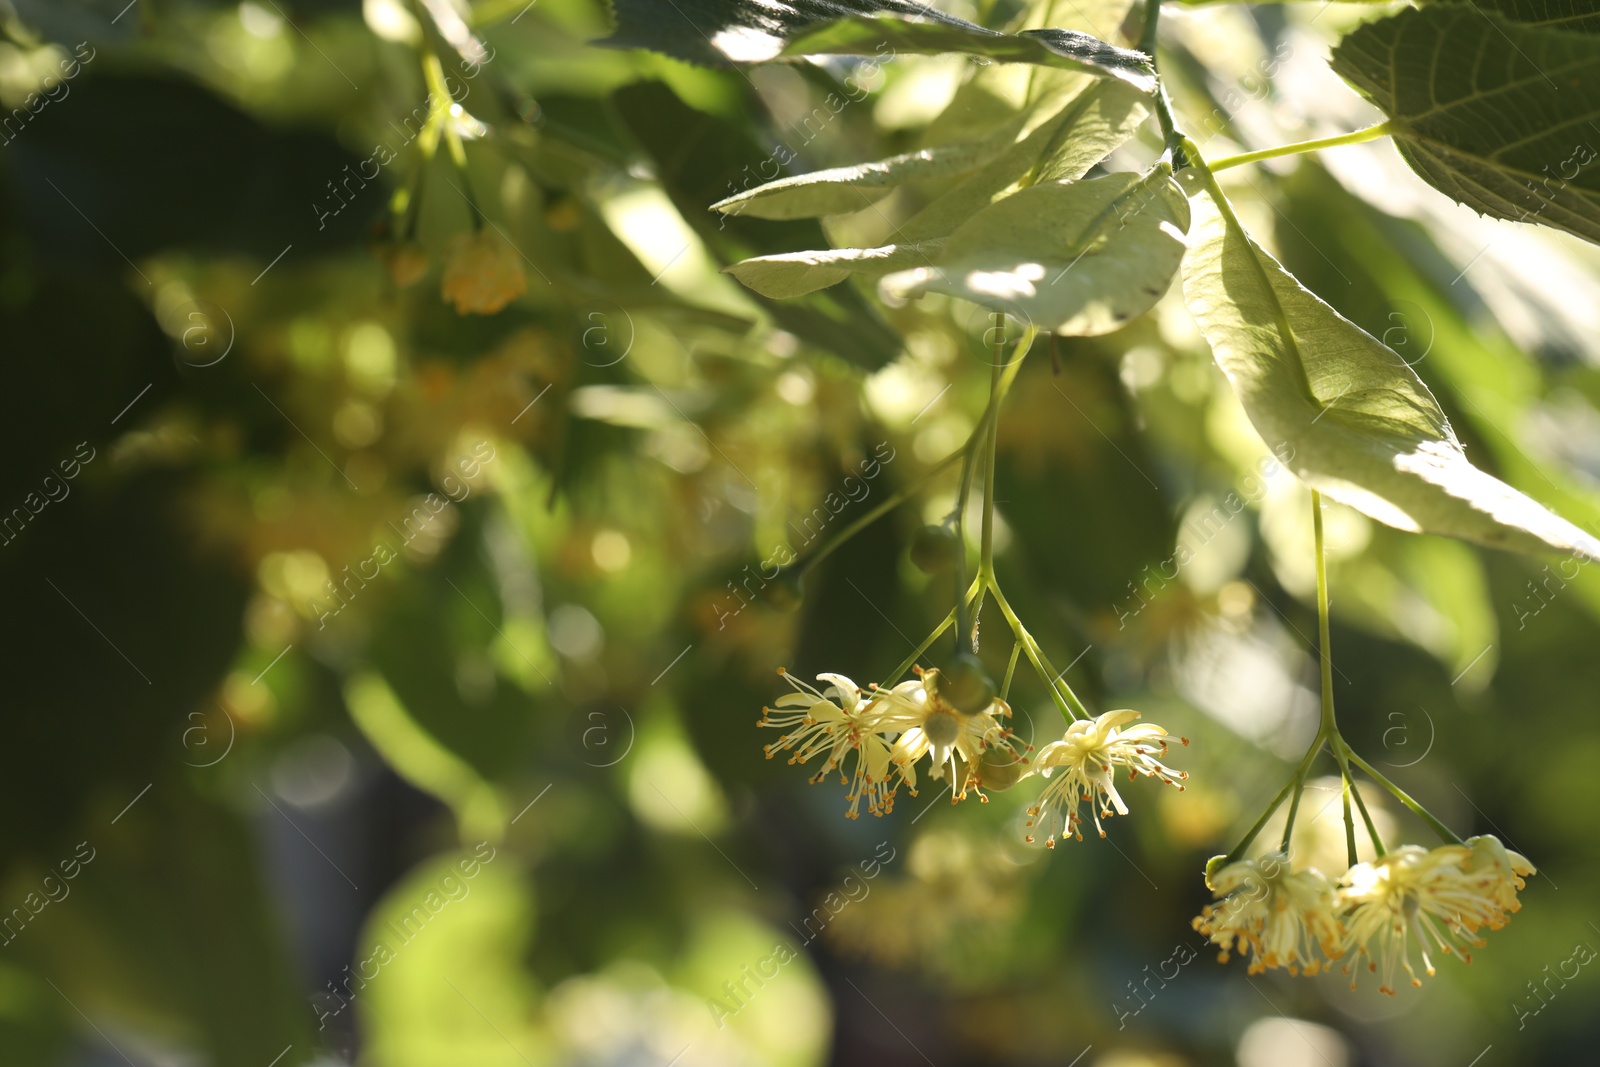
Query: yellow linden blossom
x,y
1089,754
1502,872
927,726
1276,916
887,732
1441,897
836,721
482,274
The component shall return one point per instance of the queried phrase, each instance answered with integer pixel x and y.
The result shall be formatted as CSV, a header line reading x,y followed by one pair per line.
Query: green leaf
x,y
731,32
1568,14
1579,16
723,33
1064,49
1498,115
791,274
695,155
839,190
1061,147
1056,145
1078,258
1341,409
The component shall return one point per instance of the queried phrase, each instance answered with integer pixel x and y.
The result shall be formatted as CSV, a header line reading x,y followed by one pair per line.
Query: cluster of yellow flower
x,y
888,731
1301,920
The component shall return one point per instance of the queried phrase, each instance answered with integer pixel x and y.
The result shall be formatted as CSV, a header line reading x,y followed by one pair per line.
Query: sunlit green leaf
x,y
843,189
1051,145
695,155
1066,49
791,274
1060,147
1344,411
723,32
1498,115
1074,257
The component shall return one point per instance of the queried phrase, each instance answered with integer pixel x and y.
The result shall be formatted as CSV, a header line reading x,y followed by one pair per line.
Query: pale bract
x,y
1346,412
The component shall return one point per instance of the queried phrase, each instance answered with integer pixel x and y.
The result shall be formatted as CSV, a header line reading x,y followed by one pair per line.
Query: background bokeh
x,y
386,678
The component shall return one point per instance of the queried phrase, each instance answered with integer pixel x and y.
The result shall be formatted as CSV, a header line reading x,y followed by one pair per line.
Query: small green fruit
x,y
963,684
934,550
1000,769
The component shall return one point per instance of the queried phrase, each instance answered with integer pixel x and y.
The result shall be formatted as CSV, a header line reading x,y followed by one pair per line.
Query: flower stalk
x,y
1367,133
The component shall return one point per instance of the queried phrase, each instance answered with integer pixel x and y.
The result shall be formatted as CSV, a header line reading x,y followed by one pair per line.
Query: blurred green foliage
x,y
283,665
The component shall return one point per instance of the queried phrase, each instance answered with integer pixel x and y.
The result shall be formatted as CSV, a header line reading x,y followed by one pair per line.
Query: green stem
x,y
927,642
1163,106
1175,141
1369,133
974,443
1349,821
1298,782
999,382
1325,648
986,552
1147,32
1066,700
1295,783
899,497
1011,668
1280,317
1260,822
1327,727
1366,816
1294,809
1444,832
1342,753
